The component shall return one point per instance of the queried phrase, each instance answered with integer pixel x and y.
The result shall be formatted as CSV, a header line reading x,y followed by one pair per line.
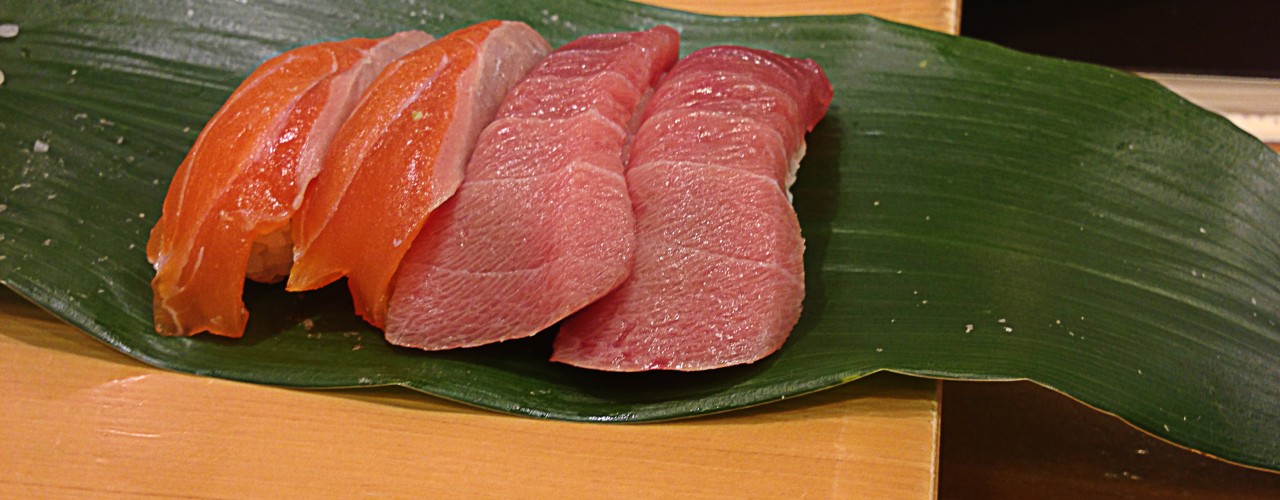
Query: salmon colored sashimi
x,y
541,225
231,201
401,154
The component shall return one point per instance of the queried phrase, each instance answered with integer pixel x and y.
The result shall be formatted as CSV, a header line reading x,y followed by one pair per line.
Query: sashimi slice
x,y
542,224
719,272
401,154
229,205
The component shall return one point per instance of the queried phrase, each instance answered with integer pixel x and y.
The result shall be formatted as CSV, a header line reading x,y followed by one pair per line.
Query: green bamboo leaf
x,y
970,212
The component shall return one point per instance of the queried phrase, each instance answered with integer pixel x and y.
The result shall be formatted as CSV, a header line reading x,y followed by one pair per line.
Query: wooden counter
x,y
80,419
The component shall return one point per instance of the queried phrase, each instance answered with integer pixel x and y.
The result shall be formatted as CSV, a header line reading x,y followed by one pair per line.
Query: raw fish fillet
x,y
231,200
542,223
719,272
401,154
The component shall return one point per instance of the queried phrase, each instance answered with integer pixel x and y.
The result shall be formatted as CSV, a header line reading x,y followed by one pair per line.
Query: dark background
x,y
1228,37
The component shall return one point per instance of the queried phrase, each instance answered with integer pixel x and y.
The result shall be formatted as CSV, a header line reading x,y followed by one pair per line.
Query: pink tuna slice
x,y
719,272
542,224
231,201
401,154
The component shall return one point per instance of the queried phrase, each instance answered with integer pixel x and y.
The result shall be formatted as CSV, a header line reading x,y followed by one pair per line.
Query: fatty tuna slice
x,y
719,273
401,154
542,225
229,206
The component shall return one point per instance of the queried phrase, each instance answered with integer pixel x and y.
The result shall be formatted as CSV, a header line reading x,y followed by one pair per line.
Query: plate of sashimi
x,y
475,201
612,212
481,188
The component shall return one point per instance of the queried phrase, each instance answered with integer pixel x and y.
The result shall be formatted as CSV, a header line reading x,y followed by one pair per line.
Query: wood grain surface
x,y
78,419
937,15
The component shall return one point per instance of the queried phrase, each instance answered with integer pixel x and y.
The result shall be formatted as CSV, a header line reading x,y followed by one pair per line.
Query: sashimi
x,y
230,203
542,224
401,154
719,274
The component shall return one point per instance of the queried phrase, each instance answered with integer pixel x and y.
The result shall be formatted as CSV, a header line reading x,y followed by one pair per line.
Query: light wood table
x,y
80,419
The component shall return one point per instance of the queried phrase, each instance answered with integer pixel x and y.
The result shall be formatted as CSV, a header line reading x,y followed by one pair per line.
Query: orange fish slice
x,y
232,198
401,154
